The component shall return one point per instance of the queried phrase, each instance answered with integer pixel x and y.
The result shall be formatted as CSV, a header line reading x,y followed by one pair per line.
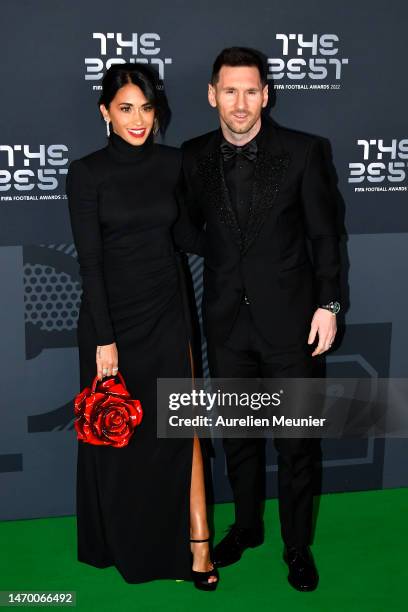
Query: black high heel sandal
x,y
200,579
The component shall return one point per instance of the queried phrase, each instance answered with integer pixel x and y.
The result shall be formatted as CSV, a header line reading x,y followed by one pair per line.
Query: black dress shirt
x,y
239,178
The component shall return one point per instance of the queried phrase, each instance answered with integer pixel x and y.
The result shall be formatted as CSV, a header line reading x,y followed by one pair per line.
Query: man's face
x,y
239,97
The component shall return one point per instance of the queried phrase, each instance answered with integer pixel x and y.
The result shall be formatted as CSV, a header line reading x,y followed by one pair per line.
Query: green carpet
x,y
360,549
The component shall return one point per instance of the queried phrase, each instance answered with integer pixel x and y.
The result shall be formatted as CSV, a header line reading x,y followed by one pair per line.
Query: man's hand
x,y
324,324
106,360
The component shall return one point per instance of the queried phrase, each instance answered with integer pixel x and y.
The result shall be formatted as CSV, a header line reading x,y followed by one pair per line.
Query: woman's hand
x,y
106,360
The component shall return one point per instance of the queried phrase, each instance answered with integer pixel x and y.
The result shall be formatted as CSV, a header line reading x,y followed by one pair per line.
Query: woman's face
x,y
131,114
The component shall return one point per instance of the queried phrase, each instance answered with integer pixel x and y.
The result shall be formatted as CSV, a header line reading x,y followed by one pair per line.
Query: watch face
x,y
335,307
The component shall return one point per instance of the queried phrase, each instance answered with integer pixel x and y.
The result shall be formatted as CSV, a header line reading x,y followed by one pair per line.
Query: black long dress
x,y
132,502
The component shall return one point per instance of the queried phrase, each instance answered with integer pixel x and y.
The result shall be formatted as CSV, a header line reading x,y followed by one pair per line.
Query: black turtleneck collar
x,y
124,151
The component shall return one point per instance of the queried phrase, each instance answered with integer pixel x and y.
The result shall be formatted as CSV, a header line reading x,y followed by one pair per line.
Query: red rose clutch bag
x,y
105,414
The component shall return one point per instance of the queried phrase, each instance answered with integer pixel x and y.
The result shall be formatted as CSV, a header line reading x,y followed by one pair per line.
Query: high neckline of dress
x,y
125,151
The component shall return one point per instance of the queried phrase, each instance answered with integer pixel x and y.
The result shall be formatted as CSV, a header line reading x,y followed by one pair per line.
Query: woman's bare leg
x,y
198,514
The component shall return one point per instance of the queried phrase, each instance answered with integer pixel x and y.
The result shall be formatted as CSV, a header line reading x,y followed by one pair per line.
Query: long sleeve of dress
x,y
83,209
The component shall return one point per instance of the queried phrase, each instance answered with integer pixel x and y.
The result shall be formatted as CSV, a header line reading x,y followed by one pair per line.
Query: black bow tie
x,y
229,151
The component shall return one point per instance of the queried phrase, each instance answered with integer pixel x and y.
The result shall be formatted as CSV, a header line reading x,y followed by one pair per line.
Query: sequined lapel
x,y
270,171
210,169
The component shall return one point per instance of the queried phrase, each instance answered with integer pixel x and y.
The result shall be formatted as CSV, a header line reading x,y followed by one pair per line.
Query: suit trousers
x,y
246,354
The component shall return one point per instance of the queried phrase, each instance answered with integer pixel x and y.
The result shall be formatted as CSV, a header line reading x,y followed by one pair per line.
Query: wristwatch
x,y
333,307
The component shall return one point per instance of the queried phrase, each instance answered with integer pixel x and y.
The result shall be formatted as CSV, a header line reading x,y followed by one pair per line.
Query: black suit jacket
x,y
292,206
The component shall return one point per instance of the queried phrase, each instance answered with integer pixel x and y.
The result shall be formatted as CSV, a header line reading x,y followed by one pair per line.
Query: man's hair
x,y
239,56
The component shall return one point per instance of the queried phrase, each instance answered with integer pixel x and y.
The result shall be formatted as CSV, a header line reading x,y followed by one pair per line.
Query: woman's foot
x,y
202,563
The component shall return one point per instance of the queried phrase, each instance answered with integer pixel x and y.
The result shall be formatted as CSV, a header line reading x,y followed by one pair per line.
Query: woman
x,y
137,506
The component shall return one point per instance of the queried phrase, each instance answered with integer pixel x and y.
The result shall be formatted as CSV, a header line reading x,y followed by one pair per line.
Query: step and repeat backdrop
x,y
337,70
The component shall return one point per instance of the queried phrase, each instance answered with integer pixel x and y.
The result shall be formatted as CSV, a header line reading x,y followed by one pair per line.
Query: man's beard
x,y
243,129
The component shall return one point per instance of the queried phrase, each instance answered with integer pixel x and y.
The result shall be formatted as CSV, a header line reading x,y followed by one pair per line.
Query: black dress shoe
x,y
238,539
303,574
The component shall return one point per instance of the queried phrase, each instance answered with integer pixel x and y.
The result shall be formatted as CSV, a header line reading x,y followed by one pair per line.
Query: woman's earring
x,y
107,128
155,126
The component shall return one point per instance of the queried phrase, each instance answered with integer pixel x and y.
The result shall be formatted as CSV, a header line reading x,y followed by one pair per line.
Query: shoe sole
x,y
302,589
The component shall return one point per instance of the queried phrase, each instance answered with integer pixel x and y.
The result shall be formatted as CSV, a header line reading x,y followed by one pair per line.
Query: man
x,y
263,193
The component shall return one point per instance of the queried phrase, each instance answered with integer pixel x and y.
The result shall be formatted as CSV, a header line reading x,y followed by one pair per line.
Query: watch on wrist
x,y
333,307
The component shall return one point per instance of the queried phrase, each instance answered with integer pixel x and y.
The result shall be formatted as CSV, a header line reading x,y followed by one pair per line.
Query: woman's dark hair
x,y
144,77
239,56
